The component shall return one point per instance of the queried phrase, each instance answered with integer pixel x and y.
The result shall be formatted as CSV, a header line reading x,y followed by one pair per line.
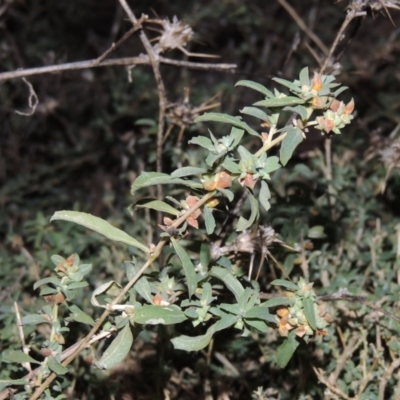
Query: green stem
x,y
268,145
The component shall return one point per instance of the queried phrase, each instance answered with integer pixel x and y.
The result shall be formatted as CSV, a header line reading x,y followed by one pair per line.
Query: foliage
x,y
196,287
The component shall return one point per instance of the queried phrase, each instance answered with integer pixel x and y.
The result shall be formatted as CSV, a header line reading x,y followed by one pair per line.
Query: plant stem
x,y
107,312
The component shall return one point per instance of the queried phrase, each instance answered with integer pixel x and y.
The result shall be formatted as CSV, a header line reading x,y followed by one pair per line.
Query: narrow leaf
x,y
260,312
286,351
193,343
117,350
100,226
293,138
34,319
309,312
280,102
288,84
229,280
188,171
56,366
17,356
209,220
243,223
149,179
255,112
158,206
155,315
80,316
228,119
255,86
202,141
277,301
287,284
264,196
187,265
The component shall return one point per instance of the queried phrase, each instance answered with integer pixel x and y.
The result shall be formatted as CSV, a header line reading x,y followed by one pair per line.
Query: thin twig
x,y
334,389
126,61
303,26
351,14
127,35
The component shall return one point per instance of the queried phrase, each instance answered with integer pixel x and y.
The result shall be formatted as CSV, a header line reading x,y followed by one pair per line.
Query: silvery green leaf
x,y
280,102
243,223
202,141
309,312
187,265
255,86
157,205
230,281
293,138
100,226
188,171
286,350
287,284
118,349
264,196
193,343
226,118
155,315
209,220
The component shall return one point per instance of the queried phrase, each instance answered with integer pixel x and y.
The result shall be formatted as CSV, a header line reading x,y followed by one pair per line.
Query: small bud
x,y
317,82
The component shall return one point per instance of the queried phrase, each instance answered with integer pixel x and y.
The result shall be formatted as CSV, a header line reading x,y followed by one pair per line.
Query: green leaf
x,y
260,325
155,315
316,232
243,223
255,112
227,193
111,288
118,349
304,77
264,196
157,205
100,226
228,119
293,87
203,141
260,312
188,171
9,382
79,316
309,312
231,308
255,86
301,110
277,301
143,288
187,265
225,322
34,319
286,350
236,134
293,138
229,280
287,284
149,179
51,279
17,356
209,220
56,366
280,102
231,166
193,343
340,90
